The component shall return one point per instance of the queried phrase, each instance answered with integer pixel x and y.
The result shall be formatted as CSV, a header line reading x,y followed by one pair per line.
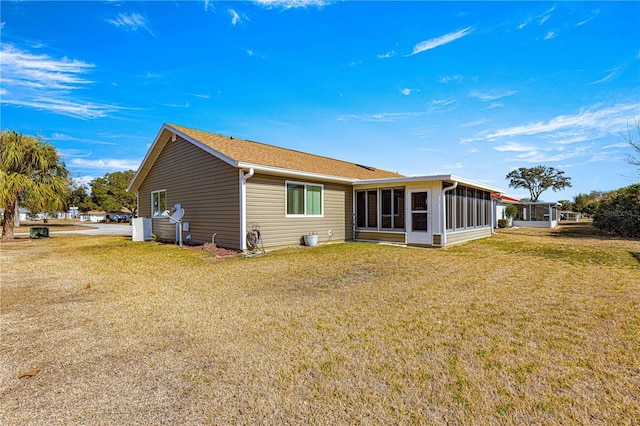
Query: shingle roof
x,y
249,152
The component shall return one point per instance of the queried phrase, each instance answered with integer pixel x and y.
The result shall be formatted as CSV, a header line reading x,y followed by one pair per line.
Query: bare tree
x,y
632,137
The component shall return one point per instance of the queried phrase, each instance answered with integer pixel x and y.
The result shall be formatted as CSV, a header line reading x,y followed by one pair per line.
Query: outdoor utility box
x,y
39,232
141,229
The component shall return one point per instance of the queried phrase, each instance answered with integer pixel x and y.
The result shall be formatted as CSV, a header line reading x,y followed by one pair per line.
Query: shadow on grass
x,y
576,230
635,255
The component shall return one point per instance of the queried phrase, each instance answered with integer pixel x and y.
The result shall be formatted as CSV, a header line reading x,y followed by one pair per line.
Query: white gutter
x,y
444,211
243,206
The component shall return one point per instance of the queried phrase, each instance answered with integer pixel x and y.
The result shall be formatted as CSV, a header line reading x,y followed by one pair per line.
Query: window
x,y
479,208
361,209
304,199
389,202
392,208
398,208
372,209
487,208
158,203
449,206
470,208
467,208
386,216
461,222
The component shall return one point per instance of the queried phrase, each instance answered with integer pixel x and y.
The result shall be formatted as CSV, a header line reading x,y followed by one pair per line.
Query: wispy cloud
x,y
70,108
432,43
587,125
605,120
385,117
387,55
541,19
209,5
617,145
449,78
491,96
594,14
114,164
21,68
549,156
439,105
42,82
550,35
235,17
606,78
406,91
68,138
291,4
475,122
456,166
131,22
517,147
200,95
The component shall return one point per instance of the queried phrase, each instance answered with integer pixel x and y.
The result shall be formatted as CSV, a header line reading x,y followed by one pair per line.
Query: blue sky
x,y
469,88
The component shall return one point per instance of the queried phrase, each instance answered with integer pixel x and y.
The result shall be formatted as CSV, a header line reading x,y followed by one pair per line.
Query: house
x,y
538,214
230,187
500,206
569,216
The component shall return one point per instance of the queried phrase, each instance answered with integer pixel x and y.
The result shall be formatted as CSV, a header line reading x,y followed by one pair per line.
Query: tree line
x,y
33,176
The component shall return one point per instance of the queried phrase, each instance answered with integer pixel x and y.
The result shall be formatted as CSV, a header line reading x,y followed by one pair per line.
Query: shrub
x,y
510,211
503,223
619,212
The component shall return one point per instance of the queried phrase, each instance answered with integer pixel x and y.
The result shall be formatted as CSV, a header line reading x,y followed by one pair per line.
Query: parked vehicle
x,y
119,217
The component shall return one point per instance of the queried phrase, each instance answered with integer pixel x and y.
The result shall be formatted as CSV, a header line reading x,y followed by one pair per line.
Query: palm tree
x,y
30,171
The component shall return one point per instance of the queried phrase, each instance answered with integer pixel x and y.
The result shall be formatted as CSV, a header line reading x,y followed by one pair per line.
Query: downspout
x,y
444,210
243,206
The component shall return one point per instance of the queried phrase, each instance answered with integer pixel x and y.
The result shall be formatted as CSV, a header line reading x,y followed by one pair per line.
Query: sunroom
x,y
539,214
425,211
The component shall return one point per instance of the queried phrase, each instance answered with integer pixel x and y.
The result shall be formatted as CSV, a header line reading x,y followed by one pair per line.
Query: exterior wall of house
x,y
535,224
383,237
206,188
266,207
463,236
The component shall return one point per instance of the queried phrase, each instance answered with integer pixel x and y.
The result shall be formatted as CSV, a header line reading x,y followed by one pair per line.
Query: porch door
x,y
419,227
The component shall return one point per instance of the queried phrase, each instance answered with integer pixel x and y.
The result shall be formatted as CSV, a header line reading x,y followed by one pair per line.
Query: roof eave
x,y
430,178
141,173
279,171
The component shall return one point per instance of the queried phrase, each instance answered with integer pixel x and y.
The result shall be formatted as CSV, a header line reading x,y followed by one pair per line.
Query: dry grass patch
x,y
525,327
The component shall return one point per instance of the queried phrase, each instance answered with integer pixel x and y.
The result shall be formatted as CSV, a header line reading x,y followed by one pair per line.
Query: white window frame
x,y
153,193
305,184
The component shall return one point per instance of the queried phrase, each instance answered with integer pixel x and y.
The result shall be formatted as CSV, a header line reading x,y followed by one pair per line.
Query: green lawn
x,y
527,327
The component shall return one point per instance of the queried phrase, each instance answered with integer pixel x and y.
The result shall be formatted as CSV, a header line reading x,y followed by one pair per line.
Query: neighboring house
x,y
540,214
23,214
500,206
93,216
229,187
101,216
569,215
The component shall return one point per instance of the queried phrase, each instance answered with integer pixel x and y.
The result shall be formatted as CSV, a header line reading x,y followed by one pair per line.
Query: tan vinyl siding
x,y
386,237
266,207
462,236
206,187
